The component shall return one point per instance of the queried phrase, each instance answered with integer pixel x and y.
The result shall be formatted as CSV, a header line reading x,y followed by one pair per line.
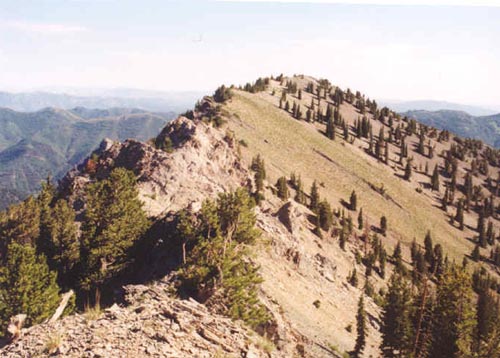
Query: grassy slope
x,y
289,146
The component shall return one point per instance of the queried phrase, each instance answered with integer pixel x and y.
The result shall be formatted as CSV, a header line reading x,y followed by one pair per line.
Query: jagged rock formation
x,y
203,163
153,324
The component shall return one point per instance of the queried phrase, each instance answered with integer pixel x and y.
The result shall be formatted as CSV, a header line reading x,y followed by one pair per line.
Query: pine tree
x,y
360,219
282,188
435,179
360,328
476,254
353,278
113,222
258,166
65,245
454,316
459,216
330,129
300,196
314,197
20,224
325,215
26,286
396,323
383,225
490,236
353,201
429,252
487,323
481,230
397,256
408,170
217,264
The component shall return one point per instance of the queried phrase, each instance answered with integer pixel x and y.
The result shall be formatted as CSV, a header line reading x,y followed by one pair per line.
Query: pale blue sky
x,y
393,52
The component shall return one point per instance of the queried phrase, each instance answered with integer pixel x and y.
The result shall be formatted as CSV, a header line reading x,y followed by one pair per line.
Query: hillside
x,y
486,128
297,267
50,141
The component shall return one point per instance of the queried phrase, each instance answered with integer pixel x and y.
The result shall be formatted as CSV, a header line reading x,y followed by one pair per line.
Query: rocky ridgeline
x,y
202,163
152,324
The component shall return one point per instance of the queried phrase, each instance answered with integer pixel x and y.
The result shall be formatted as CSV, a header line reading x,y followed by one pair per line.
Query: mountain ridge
x,y
62,138
486,128
275,139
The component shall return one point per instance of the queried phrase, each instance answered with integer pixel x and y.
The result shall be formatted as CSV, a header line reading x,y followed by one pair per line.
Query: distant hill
x,y
486,128
428,105
50,141
124,98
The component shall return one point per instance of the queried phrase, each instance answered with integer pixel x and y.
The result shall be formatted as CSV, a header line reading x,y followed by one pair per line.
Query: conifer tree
x,y
64,243
454,316
397,256
282,188
490,236
459,216
26,286
325,215
346,131
360,328
408,170
330,129
435,179
258,166
314,197
300,196
20,224
360,219
396,323
353,278
113,222
223,232
476,254
383,225
481,230
429,252
353,201
488,312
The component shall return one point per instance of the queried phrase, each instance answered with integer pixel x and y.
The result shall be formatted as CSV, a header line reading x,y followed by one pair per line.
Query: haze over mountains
x,y
68,98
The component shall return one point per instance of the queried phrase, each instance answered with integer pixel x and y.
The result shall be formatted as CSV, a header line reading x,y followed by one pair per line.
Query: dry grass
x,y
53,343
288,145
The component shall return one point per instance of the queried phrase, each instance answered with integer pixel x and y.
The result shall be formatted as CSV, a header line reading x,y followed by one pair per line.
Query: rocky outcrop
x,y
203,164
152,324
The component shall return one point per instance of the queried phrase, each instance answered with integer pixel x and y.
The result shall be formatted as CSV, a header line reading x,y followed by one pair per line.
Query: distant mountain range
x,y
486,128
95,98
428,105
50,141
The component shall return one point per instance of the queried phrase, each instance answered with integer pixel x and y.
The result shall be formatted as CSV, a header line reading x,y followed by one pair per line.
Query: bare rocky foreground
x,y
152,325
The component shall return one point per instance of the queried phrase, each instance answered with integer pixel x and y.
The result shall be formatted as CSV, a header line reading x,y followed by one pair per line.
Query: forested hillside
x,y
49,142
485,128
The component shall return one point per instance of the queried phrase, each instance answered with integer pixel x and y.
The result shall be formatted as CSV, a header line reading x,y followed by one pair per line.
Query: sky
x,y
387,51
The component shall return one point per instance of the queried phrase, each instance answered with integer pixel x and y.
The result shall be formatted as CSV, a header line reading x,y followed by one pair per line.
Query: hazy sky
x,y
392,52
